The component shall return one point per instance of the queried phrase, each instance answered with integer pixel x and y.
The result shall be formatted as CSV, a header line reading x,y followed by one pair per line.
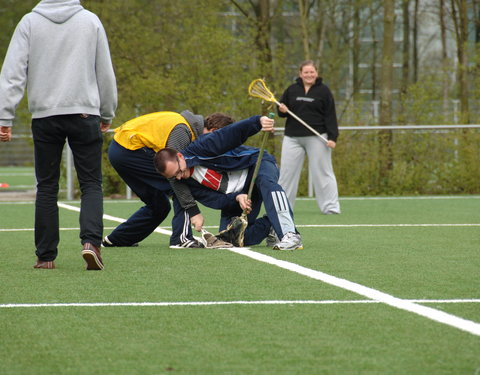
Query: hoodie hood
x,y
58,11
195,121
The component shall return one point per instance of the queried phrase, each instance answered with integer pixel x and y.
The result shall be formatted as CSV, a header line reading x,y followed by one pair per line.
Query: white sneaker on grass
x,y
290,241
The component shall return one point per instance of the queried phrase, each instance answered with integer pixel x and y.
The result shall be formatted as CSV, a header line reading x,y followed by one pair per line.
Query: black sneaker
x,y
189,244
107,243
235,232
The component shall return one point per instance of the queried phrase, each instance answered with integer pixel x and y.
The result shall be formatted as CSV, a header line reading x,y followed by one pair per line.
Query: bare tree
x,y
387,62
386,156
460,20
445,63
406,46
415,41
262,23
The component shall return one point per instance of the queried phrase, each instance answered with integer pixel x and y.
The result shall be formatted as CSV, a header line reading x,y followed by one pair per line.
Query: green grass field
x,y
17,178
155,310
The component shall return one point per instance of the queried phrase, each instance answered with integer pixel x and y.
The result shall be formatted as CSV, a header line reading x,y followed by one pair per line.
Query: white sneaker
x,y
290,241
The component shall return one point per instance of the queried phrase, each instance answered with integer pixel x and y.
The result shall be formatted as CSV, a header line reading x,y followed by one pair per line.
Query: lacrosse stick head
x,y
259,89
212,242
235,231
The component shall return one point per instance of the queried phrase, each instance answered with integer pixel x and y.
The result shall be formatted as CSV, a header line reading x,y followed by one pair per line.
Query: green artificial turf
x,y
434,262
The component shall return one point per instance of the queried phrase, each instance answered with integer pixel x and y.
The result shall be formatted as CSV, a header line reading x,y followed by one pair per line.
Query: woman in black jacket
x,y
313,102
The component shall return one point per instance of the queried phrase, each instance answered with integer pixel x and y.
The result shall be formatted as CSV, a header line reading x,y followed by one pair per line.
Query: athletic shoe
x,y
213,242
272,238
234,232
107,243
189,244
290,241
91,254
47,265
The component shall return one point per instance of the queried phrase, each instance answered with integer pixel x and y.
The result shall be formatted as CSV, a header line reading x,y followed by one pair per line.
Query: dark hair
x,y
307,63
217,120
162,157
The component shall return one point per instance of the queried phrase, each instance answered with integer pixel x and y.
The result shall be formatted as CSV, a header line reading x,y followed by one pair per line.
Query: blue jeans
x,y
85,139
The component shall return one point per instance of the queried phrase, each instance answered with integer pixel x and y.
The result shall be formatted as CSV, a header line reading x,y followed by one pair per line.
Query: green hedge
x,y
419,162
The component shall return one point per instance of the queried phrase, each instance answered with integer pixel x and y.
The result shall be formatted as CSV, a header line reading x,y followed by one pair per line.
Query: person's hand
x,y
331,144
197,222
283,108
267,124
104,127
5,133
244,202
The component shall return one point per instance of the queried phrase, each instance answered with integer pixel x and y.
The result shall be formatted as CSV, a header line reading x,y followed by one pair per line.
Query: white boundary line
x,y
423,197
217,303
164,230
427,312
373,294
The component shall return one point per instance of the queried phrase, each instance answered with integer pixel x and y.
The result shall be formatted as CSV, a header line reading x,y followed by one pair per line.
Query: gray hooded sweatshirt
x,y
60,52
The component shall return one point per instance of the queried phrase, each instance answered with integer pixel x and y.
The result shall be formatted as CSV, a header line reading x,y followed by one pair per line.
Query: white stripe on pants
x,y
320,169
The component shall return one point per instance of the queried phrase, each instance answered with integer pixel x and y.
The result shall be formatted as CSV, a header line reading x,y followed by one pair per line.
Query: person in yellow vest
x,y
131,153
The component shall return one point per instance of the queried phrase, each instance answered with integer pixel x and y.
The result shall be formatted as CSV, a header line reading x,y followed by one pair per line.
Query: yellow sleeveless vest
x,y
151,130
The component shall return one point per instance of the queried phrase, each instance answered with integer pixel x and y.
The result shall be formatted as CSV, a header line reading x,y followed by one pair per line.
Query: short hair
x,y
163,156
217,120
307,63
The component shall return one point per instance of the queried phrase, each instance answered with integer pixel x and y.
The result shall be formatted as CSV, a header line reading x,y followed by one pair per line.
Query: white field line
x,y
165,230
376,295
216,303
423,197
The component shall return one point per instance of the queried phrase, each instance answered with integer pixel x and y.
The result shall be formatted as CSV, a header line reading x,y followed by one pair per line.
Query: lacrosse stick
x,y
259,89
211,241
239,224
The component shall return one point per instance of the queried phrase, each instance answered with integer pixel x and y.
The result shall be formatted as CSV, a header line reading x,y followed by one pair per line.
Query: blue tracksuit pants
x,y
279,214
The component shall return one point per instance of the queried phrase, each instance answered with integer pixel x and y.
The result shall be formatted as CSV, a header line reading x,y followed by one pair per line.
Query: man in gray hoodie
x,y
60,52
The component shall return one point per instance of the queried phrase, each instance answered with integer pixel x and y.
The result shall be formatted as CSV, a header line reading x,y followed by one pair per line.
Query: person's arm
x,y
180,137
107,85
13,77
282,109
229,137
331,118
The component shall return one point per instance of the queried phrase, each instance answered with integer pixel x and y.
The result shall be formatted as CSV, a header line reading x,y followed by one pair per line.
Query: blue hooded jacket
x,y
223,150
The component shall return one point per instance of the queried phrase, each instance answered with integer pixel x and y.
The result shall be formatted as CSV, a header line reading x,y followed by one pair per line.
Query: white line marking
x,y
427,312
165,230
216,303
109,217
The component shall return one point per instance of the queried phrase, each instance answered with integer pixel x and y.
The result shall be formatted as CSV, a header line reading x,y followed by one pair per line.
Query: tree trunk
x,y
406,46
415,42
386,137
460,20
387,63
303,7
356,51
443,33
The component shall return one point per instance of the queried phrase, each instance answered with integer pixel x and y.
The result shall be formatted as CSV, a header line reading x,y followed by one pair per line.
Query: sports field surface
x,y
390,286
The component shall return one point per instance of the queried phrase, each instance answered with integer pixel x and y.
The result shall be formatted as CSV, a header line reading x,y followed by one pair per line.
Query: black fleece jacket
x,y
316,108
